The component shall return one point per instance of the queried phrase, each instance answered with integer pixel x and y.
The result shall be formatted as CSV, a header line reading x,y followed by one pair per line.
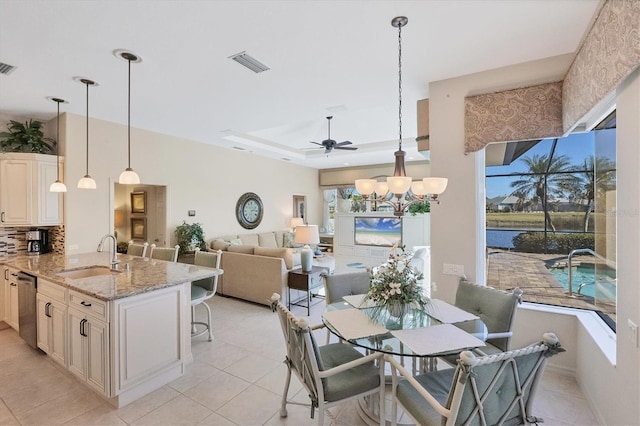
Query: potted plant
x,y
420,207
27,137
190,236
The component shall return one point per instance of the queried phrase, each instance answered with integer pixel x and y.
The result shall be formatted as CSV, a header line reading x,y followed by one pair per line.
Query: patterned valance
x,y
533,112
609,53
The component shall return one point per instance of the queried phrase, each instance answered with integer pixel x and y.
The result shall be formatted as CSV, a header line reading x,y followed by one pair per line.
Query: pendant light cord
x,y
58,142
87,162
129,116
400,86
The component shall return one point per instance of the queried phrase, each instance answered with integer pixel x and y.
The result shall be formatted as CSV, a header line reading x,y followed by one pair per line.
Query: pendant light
x,y
399,184
87,181
58,185
129,176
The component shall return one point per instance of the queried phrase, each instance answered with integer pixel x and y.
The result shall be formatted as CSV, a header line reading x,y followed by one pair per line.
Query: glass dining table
x,y
387,342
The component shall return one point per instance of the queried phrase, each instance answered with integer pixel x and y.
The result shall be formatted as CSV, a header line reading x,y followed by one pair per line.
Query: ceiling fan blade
x,y
344,143
317,143
349,148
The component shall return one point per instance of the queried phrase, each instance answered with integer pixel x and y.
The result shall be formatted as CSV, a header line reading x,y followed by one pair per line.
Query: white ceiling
x,y
334,58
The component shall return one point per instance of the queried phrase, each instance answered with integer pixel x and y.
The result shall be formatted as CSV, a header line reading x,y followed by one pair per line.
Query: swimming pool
x,y
604,281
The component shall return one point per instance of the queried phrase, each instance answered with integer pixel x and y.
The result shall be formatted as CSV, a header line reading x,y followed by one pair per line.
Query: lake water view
x,y
503,238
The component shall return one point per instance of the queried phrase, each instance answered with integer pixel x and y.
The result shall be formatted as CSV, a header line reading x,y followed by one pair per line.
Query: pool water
x,y
604,281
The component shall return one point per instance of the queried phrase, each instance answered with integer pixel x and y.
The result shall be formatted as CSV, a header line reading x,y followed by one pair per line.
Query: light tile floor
x,y
235,380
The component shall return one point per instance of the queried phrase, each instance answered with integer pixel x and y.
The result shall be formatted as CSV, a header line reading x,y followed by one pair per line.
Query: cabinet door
x,y
49,203
4,294
58,332
13,306
77,344
16,190
43,323
97,355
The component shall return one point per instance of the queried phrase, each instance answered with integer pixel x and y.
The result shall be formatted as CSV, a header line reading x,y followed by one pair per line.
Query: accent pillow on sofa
x,y
241,248
220,244
283,253
267,239
235,241
289,240
249,239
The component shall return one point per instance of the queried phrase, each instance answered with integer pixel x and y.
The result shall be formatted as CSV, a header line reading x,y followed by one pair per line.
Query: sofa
x,y
256,265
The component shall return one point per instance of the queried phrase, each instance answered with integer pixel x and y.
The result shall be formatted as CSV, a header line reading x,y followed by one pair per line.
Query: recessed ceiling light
x,y
127,55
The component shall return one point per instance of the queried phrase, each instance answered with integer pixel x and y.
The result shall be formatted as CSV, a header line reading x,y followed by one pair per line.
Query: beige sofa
x,y
256,265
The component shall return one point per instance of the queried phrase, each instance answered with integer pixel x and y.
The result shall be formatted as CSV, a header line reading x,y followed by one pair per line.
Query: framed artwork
x,y
138,228
139,202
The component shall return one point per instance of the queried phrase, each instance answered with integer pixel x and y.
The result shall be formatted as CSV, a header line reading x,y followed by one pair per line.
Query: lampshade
x,y
296,221
419,188
129,177
399,184
365,186
382,188
87,182
58,186
307,234
435,185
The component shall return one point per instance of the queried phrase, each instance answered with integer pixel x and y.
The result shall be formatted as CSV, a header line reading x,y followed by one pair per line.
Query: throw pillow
x,y
235,242
267,239
220,245
289,240
249,239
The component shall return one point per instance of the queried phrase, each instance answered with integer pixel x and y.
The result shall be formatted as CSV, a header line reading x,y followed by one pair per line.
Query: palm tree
x,y
600,178
543,180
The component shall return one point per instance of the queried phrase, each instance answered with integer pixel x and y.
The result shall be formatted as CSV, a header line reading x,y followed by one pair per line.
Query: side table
x,y
305,281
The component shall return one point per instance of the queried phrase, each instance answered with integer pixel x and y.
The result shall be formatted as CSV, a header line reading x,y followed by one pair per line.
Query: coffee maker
x,y
37,242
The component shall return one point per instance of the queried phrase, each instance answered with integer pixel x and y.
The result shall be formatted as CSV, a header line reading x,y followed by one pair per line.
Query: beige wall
x,y
457,233
201,177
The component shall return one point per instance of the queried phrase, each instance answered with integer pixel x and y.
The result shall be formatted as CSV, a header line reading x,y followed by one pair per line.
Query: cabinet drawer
x,y
52,290
88,304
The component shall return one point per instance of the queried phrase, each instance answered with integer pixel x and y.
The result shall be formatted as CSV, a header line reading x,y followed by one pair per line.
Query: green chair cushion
x,y
438,384
197,292
351,382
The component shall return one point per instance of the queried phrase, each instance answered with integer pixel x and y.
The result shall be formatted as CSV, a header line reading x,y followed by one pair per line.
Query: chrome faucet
x,y
113,254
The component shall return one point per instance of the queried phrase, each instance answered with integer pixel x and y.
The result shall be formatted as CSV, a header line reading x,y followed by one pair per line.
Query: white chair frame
x,y
203,301
175,250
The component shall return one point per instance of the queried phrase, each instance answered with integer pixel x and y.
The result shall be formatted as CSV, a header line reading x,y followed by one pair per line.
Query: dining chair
x,y
330,374
496,308
203,290
337,286
169,254
134,249
496,389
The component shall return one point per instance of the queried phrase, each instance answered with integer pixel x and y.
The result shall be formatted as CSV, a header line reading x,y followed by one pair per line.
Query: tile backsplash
x,y
13,240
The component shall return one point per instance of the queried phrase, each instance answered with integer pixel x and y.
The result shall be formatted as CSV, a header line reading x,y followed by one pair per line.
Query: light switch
x,y
451,269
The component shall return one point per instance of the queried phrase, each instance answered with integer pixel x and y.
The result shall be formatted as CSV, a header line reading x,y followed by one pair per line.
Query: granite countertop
x,y
144,274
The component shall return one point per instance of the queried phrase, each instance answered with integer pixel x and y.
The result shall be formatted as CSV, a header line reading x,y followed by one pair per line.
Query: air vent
x,y
239,148
253,64
6,69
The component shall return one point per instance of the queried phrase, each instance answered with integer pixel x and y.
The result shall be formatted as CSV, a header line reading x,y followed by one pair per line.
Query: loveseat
x,y
256,265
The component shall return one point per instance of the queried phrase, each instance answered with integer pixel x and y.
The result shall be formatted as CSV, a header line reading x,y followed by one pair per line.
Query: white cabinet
x,y
52,320
24,190
11,294
88,356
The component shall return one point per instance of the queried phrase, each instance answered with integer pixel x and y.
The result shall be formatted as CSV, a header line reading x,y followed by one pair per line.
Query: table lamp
x,y
295,222
307,234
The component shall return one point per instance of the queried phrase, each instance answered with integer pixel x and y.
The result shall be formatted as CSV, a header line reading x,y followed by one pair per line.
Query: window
x,y
546,199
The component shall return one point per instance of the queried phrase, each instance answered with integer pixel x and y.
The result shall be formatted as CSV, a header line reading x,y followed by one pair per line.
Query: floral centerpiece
x,y
395,285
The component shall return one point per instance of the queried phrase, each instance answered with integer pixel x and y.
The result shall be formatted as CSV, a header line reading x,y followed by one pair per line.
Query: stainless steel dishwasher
x,y
27,321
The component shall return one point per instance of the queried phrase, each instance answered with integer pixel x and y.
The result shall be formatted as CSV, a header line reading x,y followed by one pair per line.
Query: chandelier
x,y
404,191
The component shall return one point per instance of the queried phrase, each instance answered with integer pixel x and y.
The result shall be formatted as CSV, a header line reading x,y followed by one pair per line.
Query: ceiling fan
x,y
329,144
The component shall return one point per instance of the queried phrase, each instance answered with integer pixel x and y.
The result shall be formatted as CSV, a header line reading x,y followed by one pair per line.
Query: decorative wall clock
x,y
249,210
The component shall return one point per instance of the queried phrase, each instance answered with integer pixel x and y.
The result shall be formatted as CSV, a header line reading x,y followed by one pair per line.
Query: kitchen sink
x,y
92,271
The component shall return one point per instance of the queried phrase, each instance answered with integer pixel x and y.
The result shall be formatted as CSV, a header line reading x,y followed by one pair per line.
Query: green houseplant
x,y
27,137
190,236
420,208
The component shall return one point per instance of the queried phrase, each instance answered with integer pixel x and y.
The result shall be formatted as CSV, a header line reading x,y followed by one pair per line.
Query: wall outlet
x,y
633,328
451,269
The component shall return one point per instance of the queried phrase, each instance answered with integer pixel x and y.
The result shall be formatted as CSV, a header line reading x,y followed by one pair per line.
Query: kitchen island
x,y
124,333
